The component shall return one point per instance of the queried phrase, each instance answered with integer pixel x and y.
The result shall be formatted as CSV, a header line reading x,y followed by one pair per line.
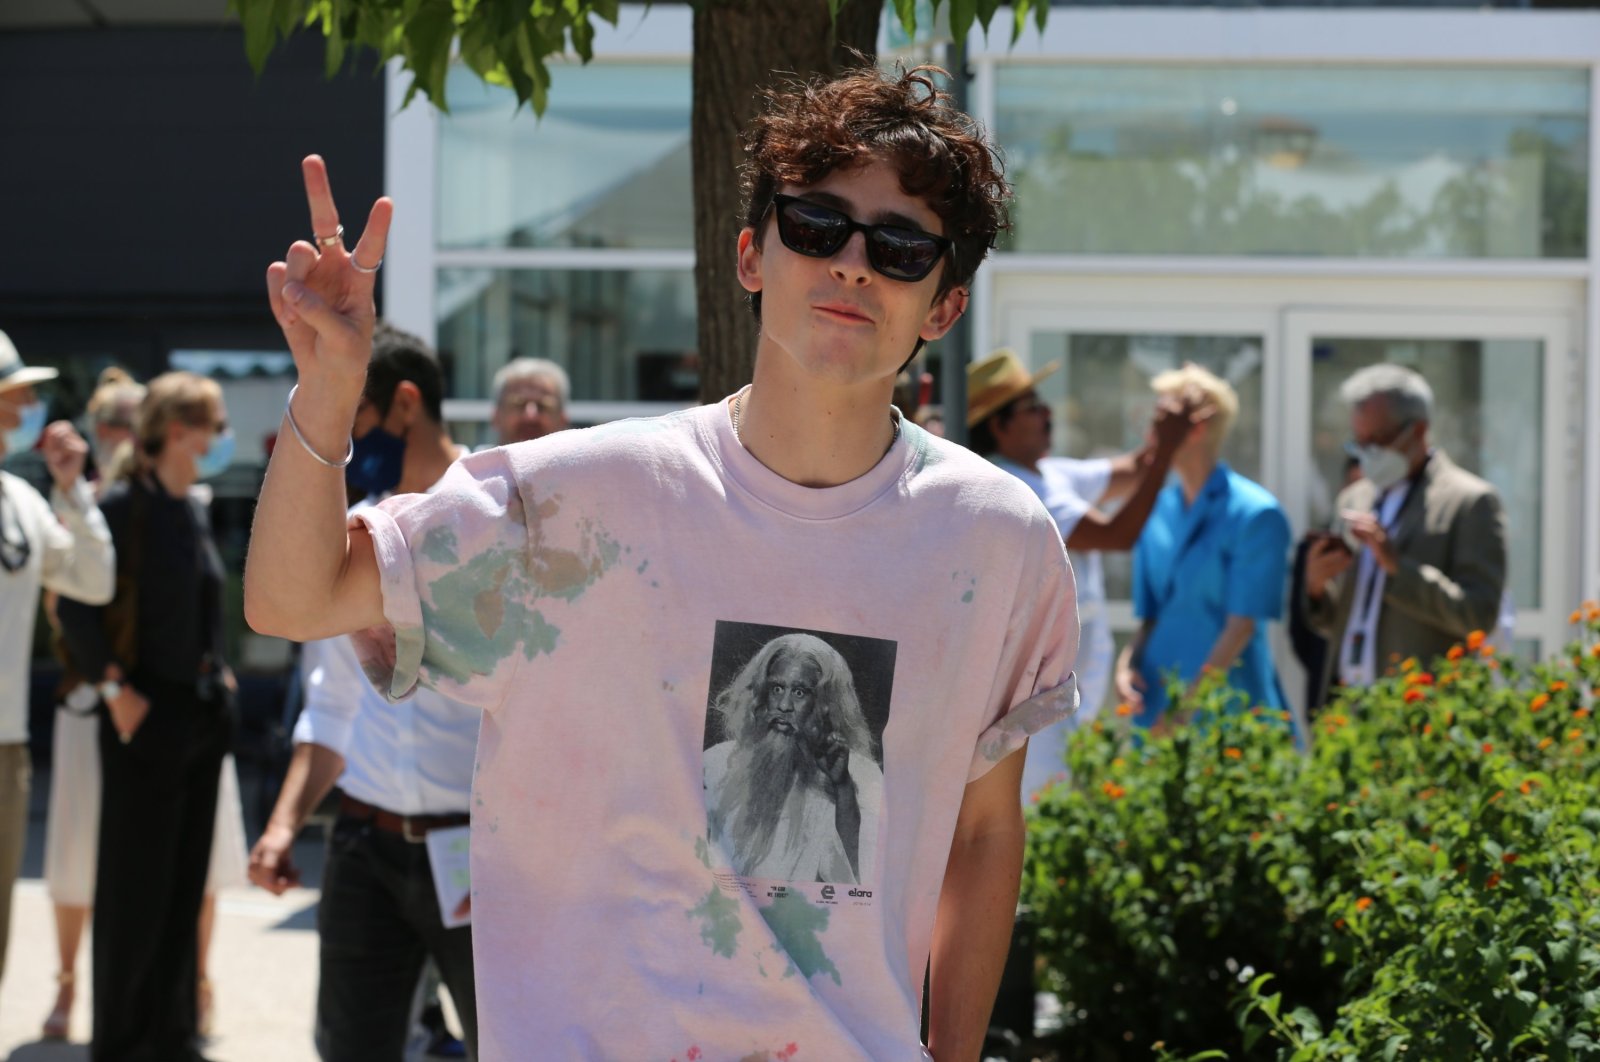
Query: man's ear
x,y
944,313
405,404
749,260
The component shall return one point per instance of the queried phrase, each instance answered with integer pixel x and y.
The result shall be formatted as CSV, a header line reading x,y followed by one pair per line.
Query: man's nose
x,y
850,265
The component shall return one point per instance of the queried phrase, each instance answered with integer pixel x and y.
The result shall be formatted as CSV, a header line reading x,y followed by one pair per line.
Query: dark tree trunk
x,y
740,48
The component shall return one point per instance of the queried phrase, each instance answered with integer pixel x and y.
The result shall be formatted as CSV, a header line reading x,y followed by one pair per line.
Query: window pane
x,y
607,165
622,335
1488,404
1386,162
1102,402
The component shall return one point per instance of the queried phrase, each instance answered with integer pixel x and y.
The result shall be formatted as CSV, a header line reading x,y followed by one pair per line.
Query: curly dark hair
x,y
807,130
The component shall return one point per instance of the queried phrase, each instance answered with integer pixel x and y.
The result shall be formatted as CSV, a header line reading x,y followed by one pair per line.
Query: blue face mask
x,y
216,460
376,464
25,436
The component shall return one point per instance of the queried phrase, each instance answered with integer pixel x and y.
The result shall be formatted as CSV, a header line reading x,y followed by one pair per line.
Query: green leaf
x,y
907,10
429,33
962,12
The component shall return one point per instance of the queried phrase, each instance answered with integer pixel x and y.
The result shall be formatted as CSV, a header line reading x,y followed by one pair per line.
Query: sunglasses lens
x,y
901,253
812,230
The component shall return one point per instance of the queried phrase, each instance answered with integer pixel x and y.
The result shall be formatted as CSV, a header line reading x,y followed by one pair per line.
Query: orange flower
x,y
1475,640
1574,734
1538,702
1526,788
1426,794
1498,794
1492,881
1545,743
1449,717
1113,790
1233,753
1124,709
1409,664
1487,650
1509,857
1419,678
1364,903
1577,615
1456,652
1119,762
1333,805
1427,728
1581,713
1338,923
1413,695
1594,650
1592,613
1255,835
1487,748
1558,685
1433,847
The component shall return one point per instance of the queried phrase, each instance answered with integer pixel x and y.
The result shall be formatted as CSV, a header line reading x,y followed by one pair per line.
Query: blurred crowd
x,y
145,820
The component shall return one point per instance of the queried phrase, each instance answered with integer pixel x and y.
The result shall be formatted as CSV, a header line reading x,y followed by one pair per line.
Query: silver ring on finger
x,y
359,268
326,242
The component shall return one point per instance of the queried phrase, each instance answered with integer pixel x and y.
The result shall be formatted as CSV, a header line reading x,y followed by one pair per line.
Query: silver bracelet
x,y
288,413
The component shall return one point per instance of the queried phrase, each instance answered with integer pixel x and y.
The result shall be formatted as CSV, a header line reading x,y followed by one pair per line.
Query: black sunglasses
x,y
816,231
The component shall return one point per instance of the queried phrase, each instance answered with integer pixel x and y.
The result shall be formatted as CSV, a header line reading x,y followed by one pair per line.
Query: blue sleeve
x,y
1258,566
1144,601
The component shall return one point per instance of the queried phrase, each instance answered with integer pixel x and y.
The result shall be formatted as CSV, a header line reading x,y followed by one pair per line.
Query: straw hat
x,y
996,380
15,374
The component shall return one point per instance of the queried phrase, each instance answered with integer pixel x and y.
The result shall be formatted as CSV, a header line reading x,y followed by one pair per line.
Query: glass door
x,y
1498,412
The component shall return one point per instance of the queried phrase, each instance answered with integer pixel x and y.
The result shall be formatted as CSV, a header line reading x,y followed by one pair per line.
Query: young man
x,y
402,773
599,593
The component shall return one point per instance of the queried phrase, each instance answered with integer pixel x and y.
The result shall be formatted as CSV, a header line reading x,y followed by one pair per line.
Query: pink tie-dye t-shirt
x,y
728,723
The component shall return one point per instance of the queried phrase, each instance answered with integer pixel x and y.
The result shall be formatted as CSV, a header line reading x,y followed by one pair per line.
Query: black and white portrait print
x,y
794,752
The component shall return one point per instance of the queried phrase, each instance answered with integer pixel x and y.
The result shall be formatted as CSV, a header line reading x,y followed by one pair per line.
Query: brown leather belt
x,y
414,828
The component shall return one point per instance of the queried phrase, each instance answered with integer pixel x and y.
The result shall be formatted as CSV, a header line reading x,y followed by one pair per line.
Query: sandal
x,y
59,1023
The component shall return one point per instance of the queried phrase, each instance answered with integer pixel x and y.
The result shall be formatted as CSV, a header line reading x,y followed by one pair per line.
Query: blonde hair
x,y
1207,388
115,392
172,398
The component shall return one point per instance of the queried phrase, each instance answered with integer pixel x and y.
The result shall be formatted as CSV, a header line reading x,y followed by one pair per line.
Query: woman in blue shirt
x,y
1208,571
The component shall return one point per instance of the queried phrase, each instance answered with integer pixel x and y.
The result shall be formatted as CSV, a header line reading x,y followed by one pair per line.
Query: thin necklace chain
x,y
738,401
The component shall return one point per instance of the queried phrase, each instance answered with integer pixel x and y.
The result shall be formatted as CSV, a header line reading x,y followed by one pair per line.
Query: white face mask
x,y
1383,466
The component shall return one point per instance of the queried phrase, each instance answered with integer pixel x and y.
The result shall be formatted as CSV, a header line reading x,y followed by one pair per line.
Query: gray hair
x,y
1404,391
531,369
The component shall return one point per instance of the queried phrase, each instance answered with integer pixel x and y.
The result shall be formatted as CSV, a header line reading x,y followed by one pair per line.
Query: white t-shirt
x,y
624,602
68,550
1069,488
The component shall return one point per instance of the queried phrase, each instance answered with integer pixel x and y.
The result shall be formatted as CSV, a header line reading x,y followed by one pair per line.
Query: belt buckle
x,y
420,837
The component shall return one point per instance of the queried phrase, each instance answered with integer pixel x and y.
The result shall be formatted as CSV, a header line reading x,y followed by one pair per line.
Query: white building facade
x,y
1283,196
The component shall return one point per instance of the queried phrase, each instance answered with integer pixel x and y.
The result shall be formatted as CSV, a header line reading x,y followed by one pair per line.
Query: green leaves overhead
x,y
510,42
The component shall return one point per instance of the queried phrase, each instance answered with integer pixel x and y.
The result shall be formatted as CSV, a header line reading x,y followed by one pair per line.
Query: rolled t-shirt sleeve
x,y
1259,567
1034,685
453,570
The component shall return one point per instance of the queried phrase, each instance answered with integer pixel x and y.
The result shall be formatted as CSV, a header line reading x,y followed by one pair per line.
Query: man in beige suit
x,y
1422,560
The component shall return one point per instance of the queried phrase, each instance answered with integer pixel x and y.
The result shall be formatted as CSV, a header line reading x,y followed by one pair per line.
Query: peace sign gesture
x,y
321,294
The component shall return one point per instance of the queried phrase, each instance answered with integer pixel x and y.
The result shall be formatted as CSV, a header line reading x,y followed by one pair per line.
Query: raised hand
x,y
321,294
1175,418
64,454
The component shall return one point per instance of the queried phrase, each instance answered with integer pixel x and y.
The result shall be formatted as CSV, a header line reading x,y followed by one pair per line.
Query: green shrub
x,y
1425,883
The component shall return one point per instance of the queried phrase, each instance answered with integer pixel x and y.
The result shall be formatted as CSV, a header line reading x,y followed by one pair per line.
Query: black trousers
x,y
379,922
158,810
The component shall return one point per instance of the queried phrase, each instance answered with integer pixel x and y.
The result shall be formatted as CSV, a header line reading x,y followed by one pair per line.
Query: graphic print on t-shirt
x,y
793,767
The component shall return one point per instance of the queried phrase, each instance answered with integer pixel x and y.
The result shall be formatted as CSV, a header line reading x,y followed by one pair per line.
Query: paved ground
x,y
264,965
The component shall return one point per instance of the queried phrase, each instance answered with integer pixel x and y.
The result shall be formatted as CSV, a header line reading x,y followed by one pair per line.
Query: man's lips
x,y
843,312
783,726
